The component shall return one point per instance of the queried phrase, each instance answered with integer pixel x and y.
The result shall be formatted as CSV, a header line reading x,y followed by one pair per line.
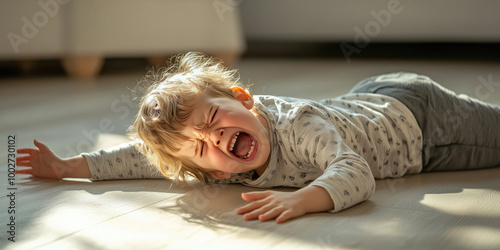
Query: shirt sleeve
x,y
346,176
123,161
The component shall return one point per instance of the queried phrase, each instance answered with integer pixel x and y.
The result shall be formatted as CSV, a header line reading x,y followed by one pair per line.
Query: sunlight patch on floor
x,y
466,202
478,237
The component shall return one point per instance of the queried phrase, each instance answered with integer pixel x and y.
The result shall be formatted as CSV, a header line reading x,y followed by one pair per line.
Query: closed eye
x,y
205,127
201,150
213,116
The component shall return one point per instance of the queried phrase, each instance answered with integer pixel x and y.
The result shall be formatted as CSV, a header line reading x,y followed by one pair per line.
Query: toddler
x,y
196,120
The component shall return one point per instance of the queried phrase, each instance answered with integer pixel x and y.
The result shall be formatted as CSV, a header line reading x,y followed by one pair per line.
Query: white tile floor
x,y
69,115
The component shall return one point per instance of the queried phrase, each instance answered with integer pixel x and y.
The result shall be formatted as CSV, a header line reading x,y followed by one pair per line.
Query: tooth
x,y
250,151
233,141
232,144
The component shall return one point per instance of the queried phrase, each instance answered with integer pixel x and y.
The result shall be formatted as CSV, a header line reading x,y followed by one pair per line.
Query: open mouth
x,y
242,145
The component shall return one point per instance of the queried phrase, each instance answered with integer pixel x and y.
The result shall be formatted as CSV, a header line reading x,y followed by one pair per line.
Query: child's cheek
x,y
234,166
221,161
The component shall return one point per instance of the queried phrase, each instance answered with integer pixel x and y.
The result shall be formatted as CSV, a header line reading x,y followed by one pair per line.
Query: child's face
x,y
226,137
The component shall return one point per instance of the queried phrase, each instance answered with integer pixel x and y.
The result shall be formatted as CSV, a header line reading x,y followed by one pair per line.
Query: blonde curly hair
x,y
168,103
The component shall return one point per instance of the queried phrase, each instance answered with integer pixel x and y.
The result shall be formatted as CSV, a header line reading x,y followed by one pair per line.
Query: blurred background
x,y
86,38
67,67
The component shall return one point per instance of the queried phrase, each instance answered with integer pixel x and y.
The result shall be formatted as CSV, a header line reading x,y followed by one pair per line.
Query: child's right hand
x,y
42,162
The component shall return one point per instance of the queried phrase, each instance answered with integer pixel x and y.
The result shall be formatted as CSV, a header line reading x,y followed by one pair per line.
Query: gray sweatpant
x,y
459,132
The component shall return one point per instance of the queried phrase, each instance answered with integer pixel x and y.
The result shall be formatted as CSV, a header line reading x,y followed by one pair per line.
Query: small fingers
x,y
257,212
27,151
25,161
23,158
40,145
249,207
255,196
23,171
286,215
271,214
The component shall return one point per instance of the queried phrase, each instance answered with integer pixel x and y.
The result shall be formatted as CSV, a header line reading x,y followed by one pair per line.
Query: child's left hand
x,y
267,205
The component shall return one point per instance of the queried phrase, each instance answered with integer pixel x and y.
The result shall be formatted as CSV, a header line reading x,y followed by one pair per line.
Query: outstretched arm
x,y
41,162
119,162
267,205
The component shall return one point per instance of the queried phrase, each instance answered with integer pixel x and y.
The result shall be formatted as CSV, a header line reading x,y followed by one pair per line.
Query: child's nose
x,y
217,136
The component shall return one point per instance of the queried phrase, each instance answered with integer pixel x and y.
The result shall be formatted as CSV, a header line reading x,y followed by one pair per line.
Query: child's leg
x,y
459,132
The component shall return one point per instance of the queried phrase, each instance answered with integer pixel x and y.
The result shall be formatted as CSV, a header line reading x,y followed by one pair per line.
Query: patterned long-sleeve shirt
x,y
340,144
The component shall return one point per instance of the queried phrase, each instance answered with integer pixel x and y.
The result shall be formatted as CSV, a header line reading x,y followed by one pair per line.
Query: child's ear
x,y
219,175
243,96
